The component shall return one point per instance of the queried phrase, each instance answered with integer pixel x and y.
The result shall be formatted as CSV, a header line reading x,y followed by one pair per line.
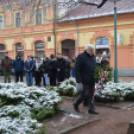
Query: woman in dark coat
x,y
67,68
52,70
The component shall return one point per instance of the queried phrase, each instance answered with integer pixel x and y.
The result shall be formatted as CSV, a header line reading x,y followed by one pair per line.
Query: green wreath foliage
x,y
97,76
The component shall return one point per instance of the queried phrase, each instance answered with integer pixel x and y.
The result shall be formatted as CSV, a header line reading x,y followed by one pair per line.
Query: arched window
x,y
2,50
102,43
20,50
39,48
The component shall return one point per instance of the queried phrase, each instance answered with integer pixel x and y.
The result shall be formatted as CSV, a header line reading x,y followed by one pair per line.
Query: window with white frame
x,y
1,25
17,19
38,17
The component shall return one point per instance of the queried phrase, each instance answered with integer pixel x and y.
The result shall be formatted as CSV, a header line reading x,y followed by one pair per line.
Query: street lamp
x,y
116,76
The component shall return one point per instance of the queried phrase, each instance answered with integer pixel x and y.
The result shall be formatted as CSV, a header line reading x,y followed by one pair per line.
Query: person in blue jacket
x,y
28,66
18,66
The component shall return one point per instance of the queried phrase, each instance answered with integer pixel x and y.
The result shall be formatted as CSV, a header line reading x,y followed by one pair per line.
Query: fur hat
x,y
104,54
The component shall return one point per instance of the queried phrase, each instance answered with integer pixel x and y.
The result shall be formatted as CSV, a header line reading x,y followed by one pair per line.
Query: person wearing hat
x,y
18,66
6,66
52,73
104,61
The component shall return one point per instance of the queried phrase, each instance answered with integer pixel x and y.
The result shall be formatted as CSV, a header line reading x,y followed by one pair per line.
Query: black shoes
x,y
93,112
76,108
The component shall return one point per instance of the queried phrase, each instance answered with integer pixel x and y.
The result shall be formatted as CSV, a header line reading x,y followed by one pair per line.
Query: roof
x,y
84,11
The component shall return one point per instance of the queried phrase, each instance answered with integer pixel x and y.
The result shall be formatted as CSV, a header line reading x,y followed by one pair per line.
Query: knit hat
x,y
52,56
79,87
104,54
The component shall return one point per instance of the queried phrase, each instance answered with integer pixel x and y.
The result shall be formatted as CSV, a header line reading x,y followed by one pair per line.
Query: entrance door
x,y
65,52
68,48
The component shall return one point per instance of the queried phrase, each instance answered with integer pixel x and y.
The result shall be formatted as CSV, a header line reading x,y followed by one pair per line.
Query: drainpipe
x,y
77,27
54,29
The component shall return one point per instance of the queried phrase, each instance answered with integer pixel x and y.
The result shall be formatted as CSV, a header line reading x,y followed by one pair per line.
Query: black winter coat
x,y
60,64
104,63
84,68
52,69
45,66
67,69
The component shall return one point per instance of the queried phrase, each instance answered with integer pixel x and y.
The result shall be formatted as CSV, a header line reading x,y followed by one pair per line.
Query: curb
x,y
70,129
128,106
105,105
68,98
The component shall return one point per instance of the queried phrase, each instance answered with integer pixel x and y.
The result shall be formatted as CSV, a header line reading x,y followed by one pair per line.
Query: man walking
x,y
84,71
28,66
6,65
18,66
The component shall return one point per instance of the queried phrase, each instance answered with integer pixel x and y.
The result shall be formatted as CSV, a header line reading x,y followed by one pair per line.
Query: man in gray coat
x,y
84,71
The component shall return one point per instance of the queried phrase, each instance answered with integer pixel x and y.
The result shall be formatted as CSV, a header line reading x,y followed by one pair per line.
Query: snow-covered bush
x,y
111,91
121,90
68,87
22,106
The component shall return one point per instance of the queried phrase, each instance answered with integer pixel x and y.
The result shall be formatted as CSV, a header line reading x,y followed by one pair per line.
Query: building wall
x,y
29,32
91,29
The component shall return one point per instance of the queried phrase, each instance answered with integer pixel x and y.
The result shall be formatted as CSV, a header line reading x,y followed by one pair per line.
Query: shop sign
x,y
40,49
102,43
20,50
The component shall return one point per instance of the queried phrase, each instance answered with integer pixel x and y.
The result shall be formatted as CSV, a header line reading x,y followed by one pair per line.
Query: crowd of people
x,y
48,70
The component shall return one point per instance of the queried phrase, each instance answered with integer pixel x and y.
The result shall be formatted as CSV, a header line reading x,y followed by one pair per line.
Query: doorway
x,y
68,48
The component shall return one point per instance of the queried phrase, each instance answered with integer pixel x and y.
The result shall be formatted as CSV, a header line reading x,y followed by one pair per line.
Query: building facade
x,y
96,26
26,31
82,25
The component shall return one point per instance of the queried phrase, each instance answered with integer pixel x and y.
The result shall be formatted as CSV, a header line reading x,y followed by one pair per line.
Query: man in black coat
x,y
45,68
60,67
84,70
52,73
67,68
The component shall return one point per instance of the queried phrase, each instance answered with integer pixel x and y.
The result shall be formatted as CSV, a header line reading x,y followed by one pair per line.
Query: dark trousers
x,y
87,93
19,76
7,75
52,81
38,77
61,76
